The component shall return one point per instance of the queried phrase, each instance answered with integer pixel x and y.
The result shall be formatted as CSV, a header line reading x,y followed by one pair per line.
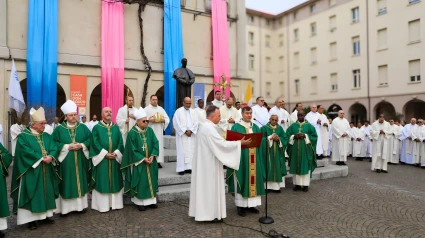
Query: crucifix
x,y
143,147
223,84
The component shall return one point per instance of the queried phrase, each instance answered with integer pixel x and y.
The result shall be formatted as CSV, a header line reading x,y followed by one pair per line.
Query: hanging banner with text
x,y
198,92
78,92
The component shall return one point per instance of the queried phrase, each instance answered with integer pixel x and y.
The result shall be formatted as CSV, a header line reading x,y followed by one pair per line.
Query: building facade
x,y
79,48
363,56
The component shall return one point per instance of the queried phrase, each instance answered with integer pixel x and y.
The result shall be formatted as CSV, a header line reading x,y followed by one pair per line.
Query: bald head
x,y
107,114
278,102
313,108
413,121
341,114
229,103
187,102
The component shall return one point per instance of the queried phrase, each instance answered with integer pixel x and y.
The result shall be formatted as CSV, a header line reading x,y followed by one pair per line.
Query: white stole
x,y
186,140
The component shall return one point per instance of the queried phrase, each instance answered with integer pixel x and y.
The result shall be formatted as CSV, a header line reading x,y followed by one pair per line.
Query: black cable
x,y
272,233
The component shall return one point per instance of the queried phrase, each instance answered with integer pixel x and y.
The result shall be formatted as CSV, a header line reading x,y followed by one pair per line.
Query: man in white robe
x,y
207,188
243,104
294,114
260,114
324,131
417,142
229,116
1,135
200,111
330,138
407,146
280,113
394,140
93,122
159,121
351,144
340,138
313,117
359,151
125,117
367,141
286,116
381,130
185,123
218,101
15,130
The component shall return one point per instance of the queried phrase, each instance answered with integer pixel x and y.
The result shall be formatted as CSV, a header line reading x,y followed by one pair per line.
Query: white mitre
x,y
37,115
69,107
140,113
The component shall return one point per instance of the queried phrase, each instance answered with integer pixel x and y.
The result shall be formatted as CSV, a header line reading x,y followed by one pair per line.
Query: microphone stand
x,y
266,219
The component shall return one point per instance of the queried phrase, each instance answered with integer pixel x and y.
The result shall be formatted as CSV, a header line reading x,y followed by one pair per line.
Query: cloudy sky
x,y
272,6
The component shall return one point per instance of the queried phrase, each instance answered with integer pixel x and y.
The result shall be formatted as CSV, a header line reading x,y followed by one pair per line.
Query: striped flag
x,y
248,95
16,99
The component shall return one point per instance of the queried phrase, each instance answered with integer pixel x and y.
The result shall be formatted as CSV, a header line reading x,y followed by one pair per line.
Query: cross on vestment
x,y
223,84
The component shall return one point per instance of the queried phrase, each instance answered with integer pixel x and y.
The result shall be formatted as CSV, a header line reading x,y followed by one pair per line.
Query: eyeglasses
x,y
145,121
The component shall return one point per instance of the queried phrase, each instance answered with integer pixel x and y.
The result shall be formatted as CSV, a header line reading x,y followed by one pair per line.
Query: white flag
x,y
16,99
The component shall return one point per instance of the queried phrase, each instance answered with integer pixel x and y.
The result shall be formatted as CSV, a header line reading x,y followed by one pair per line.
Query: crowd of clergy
x,y
57,166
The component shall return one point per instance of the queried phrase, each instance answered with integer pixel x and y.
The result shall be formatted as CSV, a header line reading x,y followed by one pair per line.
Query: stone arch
x,y
210,97
386,108
358,113
414,108
160,94
96,101
333,111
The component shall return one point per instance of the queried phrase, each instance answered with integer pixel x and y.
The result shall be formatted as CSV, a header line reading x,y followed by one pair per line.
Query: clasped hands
x,y
111,156
188,133
274,137
148,160
231,120
75,146
47,159
299,136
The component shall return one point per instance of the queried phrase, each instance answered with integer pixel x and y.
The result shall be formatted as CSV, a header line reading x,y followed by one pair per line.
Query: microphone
x,y
258,122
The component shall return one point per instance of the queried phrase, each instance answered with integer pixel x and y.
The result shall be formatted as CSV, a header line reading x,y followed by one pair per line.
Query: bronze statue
x,y
185,78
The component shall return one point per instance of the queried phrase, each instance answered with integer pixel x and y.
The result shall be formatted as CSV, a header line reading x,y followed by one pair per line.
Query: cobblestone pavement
x,y
364,204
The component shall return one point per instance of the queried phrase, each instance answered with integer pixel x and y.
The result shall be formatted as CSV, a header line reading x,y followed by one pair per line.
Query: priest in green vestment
x,y
302,139
106,148
73,140
35,179
5,161
139,163
274,142
247,183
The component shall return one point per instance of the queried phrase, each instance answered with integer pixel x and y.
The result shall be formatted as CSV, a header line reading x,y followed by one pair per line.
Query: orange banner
x,y
78,92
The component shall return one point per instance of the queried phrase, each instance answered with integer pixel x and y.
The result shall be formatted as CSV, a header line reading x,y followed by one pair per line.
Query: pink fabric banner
x,y
112,56
220,46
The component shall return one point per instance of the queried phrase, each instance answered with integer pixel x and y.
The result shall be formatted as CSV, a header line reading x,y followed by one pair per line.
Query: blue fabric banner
x,y
42,55
198,92
173,54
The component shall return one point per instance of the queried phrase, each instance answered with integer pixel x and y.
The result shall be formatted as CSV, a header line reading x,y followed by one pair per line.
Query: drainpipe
x,y
288,60
261,61
367,60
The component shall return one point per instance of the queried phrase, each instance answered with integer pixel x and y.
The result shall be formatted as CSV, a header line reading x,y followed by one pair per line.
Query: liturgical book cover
x,y
255,137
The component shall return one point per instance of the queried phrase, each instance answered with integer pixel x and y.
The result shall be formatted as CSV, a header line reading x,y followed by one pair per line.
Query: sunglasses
x,y
145,121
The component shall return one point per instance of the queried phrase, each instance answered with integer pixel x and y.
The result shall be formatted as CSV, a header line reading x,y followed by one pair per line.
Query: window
x,y
382,39
268,88
355,12
414,1
356,45
334,82
281,87
251,38
356,78
415,31
268,64
313,28
332,51
332,23
382,7
415,70
314,85
251,62
280,21
295,15
332,2
296,59
282,63
383,75
297,86
250,19
281,40
313,52
296,35
312,8
267,41
268,22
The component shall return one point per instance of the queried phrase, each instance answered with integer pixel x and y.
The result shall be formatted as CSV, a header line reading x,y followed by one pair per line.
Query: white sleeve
x,y
63,153
119,156
98,158
37,163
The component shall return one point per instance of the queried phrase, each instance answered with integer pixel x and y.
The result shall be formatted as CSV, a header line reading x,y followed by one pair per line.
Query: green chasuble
x,y
302,156
106,176
74,168
143,182
251,174
38,187
5,160
275,154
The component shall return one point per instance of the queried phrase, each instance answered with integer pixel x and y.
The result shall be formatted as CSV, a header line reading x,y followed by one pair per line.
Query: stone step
x,y
174,192
168,175
170,155
322,162
170,142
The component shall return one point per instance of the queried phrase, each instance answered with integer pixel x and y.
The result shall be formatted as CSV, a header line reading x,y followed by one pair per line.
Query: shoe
x,y
48,221
305,189
181,173
253,210
241,211
189,171
417,165
32,225
337,163
141,208
361,159
83,211
384,171
358,158
343,163
423,167
159,166
154,206
297,188
378,170
2,234
63,215
217,220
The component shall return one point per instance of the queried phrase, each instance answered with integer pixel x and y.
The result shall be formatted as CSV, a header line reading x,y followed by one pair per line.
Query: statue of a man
x,y
185,78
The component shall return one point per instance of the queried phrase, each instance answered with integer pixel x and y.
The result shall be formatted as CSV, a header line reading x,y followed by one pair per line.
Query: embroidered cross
x,y
143,147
